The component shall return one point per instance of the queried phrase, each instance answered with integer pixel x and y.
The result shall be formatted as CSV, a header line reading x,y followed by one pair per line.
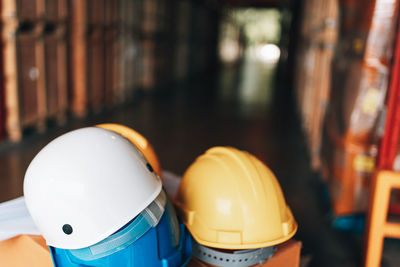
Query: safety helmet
x,y
138,140
228,199
92,195
85,185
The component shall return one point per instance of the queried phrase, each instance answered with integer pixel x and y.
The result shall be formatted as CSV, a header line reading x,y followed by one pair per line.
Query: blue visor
x,y
131,232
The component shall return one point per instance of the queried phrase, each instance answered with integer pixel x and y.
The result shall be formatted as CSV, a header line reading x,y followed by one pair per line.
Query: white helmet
x,y
85,185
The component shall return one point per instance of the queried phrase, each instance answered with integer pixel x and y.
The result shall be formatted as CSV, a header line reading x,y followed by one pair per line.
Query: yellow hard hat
x,y
229,199
138,140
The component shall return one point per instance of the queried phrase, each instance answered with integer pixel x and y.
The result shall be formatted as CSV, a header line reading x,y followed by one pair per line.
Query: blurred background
x,y
308,86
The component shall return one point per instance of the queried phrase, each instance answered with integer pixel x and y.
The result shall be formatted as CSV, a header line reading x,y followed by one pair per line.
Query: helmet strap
x,y
127,235
239,258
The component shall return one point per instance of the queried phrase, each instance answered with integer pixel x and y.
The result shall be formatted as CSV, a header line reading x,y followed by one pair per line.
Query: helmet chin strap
x,y
239,258
147,219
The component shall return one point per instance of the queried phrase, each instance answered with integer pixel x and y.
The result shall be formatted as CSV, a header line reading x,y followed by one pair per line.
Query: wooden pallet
x,y
56,59
24,71
56,11
348,166
78,58
88,55
23,10
96,69
111,52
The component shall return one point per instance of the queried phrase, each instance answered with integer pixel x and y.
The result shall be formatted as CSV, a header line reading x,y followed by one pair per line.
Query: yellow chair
x,y
377,227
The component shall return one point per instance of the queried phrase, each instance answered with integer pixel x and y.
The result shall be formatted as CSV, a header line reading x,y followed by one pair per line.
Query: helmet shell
x,y
138,140
85,185
229,199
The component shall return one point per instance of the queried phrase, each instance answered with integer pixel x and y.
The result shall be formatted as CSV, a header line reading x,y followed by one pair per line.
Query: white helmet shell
x,y
85,185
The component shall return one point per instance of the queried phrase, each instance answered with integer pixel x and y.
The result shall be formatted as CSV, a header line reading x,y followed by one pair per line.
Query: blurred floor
x,y
243,107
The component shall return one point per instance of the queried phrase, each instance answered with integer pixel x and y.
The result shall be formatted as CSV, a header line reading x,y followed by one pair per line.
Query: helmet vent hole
x,y
67,229
149,167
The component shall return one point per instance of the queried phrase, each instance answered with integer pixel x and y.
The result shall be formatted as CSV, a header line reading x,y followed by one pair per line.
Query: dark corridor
x,y
183,122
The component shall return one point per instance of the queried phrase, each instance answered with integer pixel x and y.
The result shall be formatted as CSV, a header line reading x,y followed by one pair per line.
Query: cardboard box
x,y
25,250
288,255
31,250
348,169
